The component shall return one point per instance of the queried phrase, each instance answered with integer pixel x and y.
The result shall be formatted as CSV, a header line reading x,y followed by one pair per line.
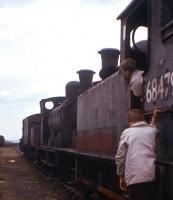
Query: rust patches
x,y
97,142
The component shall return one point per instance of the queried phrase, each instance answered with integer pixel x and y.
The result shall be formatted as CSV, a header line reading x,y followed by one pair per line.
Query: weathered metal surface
x,y
159,77
165,137
62,123
44,136
35,135
25,132
28,124
100,142
102,110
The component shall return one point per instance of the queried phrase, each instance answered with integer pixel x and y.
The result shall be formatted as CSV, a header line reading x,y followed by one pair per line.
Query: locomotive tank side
x,y
62,119
101,111
101,115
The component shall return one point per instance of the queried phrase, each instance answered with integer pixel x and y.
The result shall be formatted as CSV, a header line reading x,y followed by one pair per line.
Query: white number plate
x,y
159,88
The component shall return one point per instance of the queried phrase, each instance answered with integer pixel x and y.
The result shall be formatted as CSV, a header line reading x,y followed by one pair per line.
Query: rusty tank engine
x,y
62,120
76,139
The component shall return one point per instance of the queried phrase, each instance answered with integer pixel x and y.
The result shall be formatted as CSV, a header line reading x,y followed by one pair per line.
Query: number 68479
x,y
160,87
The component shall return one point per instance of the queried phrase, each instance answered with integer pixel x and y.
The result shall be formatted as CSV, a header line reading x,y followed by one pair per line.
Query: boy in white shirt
x,y
135,158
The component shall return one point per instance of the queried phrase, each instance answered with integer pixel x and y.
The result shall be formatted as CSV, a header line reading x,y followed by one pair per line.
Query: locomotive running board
x,y
103,190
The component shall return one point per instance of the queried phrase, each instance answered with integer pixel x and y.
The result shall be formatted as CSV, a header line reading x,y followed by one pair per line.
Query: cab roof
x,y
132,6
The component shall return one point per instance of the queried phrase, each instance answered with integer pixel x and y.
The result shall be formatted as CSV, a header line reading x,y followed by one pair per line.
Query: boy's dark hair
x,y
128,64
135,115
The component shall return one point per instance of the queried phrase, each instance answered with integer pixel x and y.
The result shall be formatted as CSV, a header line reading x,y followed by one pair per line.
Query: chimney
x,y
109,58
85,77
72,88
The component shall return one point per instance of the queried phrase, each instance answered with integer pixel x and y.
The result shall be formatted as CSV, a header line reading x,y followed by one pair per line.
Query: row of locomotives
x,y
154,56
79,134
58,128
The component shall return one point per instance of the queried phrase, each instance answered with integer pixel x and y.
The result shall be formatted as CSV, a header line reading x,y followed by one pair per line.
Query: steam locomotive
x,y
76,140
2,141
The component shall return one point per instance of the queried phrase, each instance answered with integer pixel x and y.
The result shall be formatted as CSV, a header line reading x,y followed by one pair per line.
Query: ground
x,y
20,180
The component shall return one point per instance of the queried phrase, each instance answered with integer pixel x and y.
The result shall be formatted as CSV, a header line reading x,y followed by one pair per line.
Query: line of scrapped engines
x,y
90,118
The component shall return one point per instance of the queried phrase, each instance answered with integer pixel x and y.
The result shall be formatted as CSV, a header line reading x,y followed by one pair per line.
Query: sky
x,y
42,45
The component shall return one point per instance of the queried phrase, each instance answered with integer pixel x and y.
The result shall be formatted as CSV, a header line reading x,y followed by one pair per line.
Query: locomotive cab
x,y
134,38
157,64
133,18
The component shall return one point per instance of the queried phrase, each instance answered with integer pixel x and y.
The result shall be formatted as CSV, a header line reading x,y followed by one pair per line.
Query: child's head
x,y
127,67
135,115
